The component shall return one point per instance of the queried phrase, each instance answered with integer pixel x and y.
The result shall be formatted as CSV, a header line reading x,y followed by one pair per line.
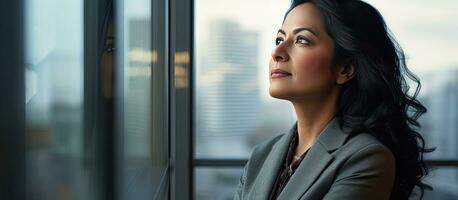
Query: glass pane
x,y
216,183
428,36
444,181
54,101
144,140
234,110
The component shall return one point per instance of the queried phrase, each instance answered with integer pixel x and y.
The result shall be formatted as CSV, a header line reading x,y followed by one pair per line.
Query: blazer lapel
x,y
315,161
271,166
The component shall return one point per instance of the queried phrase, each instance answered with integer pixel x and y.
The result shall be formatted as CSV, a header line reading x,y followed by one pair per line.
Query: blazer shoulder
x,y
365,170
262,149
359,143
362,140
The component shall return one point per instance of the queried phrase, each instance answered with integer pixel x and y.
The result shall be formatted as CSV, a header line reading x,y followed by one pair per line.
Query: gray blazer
x,y
336,167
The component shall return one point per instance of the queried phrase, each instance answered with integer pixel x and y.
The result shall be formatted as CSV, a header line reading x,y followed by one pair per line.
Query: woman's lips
x,y
278,75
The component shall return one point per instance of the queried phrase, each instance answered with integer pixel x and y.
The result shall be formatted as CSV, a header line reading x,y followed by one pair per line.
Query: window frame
x,y
12,102
180,33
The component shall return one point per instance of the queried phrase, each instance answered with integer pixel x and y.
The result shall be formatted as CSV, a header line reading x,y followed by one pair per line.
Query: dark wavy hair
x,y
376,99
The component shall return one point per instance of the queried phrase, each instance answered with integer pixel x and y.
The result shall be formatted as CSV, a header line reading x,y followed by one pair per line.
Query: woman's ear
x,y
345,73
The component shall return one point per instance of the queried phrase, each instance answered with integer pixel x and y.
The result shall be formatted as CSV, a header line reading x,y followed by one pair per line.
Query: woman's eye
x,y
277,41
302,40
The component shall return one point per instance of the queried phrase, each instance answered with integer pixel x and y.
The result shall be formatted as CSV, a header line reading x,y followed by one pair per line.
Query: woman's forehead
x,y
304,15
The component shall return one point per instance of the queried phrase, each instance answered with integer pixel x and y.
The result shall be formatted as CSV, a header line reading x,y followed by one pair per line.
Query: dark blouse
x,y
288,168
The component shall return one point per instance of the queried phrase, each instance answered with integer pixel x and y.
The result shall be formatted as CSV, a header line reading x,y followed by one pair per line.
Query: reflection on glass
x,y
144,150
216,183
54,100
137,97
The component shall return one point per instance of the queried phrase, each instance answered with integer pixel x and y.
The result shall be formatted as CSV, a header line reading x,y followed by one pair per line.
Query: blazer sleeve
x,y
367,174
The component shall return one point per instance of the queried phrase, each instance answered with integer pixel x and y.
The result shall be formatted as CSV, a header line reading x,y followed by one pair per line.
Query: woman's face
x,y
304,50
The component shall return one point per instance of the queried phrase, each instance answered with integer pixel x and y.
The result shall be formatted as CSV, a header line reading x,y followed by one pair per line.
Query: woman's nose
x,y
279,54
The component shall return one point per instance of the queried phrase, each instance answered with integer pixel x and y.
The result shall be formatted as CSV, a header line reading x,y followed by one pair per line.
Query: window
x,y
142,150
190,94
81,141
56,167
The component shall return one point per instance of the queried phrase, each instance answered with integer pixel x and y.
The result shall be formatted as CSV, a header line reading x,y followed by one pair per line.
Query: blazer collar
x,y
314,162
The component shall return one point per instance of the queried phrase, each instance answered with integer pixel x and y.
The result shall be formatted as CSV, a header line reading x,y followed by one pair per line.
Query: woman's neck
x,y
312,118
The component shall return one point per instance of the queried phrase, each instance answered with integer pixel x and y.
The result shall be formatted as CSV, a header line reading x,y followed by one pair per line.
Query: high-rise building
x,y
440,127
228,89
440,124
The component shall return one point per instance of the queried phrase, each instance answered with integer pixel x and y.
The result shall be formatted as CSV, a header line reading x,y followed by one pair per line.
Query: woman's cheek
x,y
313,70
309,66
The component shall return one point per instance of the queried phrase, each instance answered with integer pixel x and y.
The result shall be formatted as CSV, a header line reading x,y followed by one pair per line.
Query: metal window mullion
x,y
180,76
160,107
12,101
442,163
118,103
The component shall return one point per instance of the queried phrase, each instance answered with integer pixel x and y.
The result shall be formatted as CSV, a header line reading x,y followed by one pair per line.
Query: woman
x,y
343,72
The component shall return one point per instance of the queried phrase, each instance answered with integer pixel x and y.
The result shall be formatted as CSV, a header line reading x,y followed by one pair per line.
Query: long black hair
x,y
376,99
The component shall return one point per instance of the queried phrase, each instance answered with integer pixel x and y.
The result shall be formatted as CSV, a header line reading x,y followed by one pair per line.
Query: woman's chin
x,y
279,94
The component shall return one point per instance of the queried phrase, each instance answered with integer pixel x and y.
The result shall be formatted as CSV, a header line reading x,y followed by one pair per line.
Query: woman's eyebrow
x,y
297,30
